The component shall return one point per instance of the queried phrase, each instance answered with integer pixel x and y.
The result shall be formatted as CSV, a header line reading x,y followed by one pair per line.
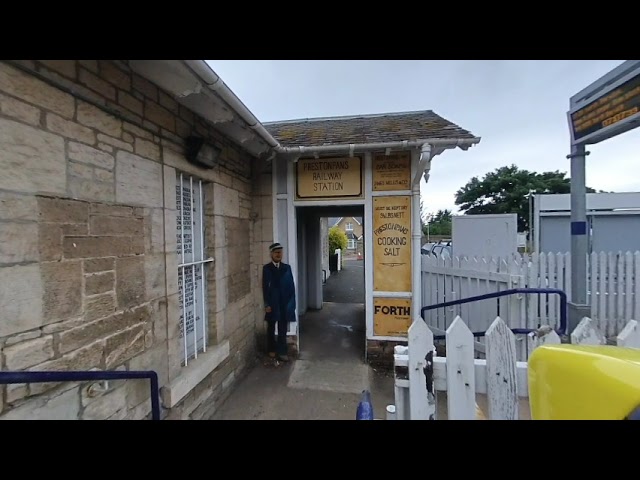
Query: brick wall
x,y
87,239
380,353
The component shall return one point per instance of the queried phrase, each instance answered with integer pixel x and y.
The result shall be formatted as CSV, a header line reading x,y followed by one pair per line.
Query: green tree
x,y
337,239
507,190
440,224
442,216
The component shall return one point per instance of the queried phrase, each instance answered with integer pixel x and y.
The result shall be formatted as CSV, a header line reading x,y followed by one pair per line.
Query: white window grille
x,y
351,244
349,227
191,278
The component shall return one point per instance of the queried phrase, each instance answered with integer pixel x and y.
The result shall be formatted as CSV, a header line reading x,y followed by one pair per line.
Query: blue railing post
x,y
85,376
365,409
155,396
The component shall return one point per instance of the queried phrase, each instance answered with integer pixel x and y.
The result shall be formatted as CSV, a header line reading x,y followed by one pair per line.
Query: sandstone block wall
x,y
89,153
262,215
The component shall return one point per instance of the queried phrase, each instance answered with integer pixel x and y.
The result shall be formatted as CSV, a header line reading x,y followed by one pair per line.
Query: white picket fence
x,y
612,289
419,373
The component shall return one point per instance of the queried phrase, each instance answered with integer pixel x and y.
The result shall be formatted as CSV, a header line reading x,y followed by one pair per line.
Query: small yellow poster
x,y
392,172
391,316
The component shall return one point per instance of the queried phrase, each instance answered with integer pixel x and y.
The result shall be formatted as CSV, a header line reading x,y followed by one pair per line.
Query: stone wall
x,y
89,153
262,217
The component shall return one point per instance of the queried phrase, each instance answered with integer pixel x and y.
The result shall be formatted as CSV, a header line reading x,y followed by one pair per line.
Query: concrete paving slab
x,y
330,376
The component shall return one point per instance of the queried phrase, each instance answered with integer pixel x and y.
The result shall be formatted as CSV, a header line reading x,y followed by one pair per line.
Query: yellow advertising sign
x,y
391,172
391,316
392,244
329,177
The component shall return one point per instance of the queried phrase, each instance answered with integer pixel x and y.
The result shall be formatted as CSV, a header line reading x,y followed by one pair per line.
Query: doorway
x,y
331,301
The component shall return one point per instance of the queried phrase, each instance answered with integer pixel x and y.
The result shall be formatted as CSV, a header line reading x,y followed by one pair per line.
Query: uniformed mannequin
x,y
279,293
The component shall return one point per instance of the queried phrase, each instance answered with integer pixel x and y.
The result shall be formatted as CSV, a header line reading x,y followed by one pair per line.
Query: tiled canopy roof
x,y
391,127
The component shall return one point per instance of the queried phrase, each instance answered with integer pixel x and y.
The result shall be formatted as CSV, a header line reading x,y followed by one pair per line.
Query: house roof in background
x,y
333,221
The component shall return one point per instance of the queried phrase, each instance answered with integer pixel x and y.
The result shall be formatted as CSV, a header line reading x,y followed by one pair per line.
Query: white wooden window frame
x,y
191,253
349,227
351,245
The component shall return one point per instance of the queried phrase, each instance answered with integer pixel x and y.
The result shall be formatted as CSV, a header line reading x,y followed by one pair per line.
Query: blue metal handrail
x,y
503,293
81,376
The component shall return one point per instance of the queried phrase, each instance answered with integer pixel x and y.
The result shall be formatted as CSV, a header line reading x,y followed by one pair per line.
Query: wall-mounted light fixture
x,y
201,153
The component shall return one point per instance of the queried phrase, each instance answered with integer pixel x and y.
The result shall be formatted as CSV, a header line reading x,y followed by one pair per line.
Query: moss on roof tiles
x,y
365,129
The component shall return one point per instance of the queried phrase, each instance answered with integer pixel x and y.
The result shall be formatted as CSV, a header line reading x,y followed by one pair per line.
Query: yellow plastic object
x,y
583,382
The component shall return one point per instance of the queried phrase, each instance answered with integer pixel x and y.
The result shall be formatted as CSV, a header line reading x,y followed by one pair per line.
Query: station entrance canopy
x,y
374,162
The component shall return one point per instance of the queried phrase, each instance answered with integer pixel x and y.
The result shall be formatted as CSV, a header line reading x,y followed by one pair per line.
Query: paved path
x,y
324,383
347,285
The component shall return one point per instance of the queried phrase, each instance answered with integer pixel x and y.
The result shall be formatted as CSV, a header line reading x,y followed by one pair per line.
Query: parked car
x,y
426,248
441,249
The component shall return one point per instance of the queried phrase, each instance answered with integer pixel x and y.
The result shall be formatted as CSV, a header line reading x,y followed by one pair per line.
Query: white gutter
x,y
215,83
441,142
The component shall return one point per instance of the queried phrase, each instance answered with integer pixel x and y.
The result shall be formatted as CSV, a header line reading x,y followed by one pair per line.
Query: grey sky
x,y
518,107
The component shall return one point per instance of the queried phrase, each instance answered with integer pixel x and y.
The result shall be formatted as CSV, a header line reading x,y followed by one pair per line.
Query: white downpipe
x,y
416,295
